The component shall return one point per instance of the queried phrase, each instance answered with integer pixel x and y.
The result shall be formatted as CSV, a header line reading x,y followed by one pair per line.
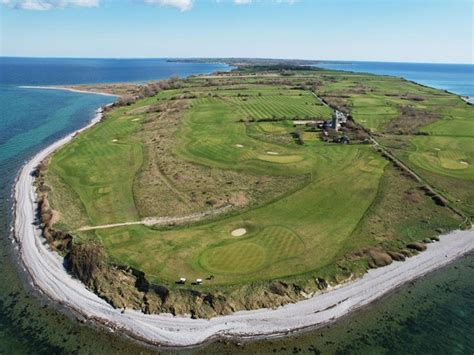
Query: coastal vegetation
x,y
286,210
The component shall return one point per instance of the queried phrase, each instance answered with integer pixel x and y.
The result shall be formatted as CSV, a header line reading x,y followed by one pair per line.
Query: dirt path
x,y
159,221
46,270
321,100
392,157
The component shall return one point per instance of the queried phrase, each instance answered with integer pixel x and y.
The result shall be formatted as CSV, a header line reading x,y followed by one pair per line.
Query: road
x,y
161,221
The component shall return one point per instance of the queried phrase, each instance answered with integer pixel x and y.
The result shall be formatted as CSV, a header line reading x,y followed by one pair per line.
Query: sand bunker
x,y
47,272
464,162
49,275
239,232
239,145
272,153
136,119
437,149
114,140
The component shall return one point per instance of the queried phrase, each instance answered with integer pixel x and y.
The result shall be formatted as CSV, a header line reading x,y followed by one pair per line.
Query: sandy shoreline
x,y
49,276
67,89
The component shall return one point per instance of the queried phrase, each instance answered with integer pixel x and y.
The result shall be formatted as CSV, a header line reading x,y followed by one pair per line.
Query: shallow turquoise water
x,y
433,315
32,116
31,119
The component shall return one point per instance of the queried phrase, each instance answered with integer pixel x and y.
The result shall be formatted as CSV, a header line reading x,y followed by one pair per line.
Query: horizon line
x,y
226,58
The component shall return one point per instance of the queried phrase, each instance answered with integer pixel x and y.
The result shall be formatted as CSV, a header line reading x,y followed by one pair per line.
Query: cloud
x,y
182,5
42,5
248,2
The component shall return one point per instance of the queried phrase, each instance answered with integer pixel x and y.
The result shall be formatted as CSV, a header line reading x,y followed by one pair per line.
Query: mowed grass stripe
x,y
302,232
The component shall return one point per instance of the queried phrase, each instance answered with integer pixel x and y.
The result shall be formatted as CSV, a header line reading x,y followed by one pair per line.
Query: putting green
x,y
303,231
219,135
451,157
282,159
272,245
236,258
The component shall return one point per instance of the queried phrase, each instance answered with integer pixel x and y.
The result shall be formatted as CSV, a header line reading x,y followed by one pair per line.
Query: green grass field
x,y
443,154
268,103
99,167
298,233
323,201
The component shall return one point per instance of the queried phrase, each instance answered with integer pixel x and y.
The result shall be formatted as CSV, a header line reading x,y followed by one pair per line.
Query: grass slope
x,y
99,167
306,207
434,129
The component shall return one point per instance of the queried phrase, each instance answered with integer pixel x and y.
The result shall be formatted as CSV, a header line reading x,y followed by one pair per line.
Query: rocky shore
x,y
49,276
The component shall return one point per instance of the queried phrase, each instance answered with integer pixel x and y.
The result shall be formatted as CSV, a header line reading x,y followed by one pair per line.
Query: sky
x,y
439,31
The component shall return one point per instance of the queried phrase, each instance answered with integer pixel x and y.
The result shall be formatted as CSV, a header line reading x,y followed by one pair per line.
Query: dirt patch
x,y
408,97
238,232
186,188
238,199
412,196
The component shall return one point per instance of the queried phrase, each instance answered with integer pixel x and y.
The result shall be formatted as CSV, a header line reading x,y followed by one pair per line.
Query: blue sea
x,y
456,78
434,315
60,71
31,118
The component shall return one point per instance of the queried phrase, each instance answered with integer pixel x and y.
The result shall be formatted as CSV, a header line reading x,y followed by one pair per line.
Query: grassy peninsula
x,y
240,180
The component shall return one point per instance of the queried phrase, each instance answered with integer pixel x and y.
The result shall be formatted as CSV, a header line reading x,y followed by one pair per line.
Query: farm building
x,y
340,117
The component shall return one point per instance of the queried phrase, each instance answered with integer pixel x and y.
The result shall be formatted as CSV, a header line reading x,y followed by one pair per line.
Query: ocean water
x,y
456,78
432,315
31,119
60,71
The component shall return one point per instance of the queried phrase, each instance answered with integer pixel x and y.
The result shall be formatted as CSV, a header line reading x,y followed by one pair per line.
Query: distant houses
x,y
334,124
331,128
338,119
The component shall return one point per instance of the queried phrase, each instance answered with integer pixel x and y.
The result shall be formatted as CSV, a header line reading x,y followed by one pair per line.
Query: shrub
x,y
84,260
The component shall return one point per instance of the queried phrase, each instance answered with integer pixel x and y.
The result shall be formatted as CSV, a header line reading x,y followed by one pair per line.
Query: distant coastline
x,y
66,89
48,274
453,78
